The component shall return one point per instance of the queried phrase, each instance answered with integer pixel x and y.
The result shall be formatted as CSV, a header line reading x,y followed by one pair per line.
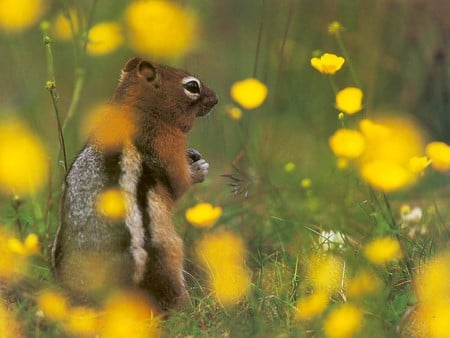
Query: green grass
x,y
394,49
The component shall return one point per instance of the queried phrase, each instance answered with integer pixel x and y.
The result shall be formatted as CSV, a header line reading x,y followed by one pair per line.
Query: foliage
x,y
325,212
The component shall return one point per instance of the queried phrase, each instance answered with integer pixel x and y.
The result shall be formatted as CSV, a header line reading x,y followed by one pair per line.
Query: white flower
x,y
331,239
413,216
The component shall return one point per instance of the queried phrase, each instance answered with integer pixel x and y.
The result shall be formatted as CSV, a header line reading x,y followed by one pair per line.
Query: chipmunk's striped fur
x,y
93,253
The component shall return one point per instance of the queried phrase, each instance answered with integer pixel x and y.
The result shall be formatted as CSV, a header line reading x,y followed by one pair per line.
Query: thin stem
x,y
332,84
283,45
51,87
344,52
258,44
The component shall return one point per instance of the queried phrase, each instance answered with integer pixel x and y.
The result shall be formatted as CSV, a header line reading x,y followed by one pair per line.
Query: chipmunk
x,y
92,253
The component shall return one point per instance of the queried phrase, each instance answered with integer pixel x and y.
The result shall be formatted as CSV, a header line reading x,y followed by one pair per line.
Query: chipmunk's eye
x,y
191,87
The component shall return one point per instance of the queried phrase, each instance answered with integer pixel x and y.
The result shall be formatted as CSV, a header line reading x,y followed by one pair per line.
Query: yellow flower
x,y
312,306
162,29
328,63
363,283
347,143
289,167
222,255
306,183
12,265
9,327
18,15
335,27
54,305
21,150
203,215
128,314
28,248
382,250
433,279
82,321
341,163
111,203
433,290
63,23
439,153
104,38
417,164
343,322
349,100
230,284
235,113
110,126
324,272
250,93
390,145
386,176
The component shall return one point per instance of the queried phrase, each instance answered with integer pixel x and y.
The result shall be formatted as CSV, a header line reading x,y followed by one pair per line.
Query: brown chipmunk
x,y
93,253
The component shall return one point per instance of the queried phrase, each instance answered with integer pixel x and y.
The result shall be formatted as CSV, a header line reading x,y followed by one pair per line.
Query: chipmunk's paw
x,y
199,170
193,155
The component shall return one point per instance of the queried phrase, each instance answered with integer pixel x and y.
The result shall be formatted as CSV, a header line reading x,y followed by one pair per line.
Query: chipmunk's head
x,y
169,94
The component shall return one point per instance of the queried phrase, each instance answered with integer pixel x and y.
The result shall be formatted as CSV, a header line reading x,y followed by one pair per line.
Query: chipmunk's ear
x,y
149,72
131,64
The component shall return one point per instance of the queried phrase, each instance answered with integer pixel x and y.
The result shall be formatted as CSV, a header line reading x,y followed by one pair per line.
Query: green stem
x,y
51,87
332,84
344,52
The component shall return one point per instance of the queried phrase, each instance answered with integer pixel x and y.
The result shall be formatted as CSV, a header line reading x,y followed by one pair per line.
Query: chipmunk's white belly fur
x,y
131,166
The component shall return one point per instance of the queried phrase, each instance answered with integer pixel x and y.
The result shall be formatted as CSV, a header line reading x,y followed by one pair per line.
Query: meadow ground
x,y
326,208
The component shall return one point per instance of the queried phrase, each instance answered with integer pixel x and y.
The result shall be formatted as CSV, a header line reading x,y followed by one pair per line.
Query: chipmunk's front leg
x,y
197,165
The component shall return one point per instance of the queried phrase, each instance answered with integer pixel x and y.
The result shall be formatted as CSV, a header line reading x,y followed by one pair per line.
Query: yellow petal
x,y
439,153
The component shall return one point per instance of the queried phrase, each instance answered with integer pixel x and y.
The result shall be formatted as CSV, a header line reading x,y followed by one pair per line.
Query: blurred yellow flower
x,y
12,265
231,283
203,215
335,27
349,100
382,250
386,176
82,321
9,327
363,283
347,143
109,126
343,322
104,38
341,163
223,256
439,153
391,143
21,150
328,63
63,23
433,290
234,113
250,93
111,203
162,29
417,164
18,15
325,272
289,167
54,304
29,247
306,183
129,314
312,305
